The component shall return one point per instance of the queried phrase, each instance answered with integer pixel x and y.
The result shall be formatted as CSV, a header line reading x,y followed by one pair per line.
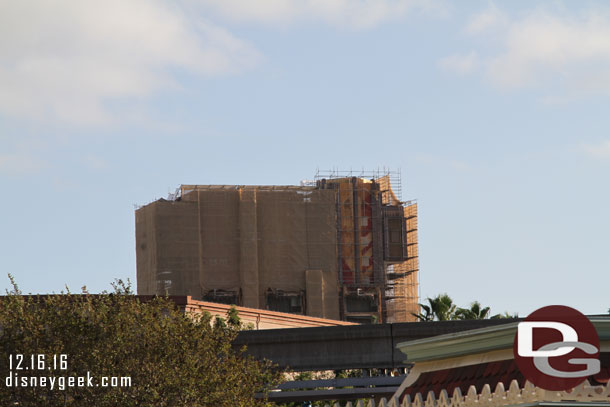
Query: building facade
x,y
339,248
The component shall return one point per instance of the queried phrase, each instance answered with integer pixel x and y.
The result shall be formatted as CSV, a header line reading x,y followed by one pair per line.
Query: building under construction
x,y
343,246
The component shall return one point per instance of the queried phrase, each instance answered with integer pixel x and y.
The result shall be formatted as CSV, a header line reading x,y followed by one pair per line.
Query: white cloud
x,y
568,48
461,64
567,55
65,59
601,150
487,20
347,13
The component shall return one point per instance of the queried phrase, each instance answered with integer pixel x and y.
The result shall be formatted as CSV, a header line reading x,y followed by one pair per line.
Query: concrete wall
x,y
348,347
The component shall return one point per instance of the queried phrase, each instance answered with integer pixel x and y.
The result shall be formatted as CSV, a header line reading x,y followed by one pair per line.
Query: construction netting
x,y
405,286
356,231
295,248
256,242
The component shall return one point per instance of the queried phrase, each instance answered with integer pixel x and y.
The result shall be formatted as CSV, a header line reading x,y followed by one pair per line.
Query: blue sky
x,y
496,113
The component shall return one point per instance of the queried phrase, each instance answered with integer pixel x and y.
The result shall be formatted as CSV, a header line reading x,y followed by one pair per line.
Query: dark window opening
x,y
395,249
222,297
285,301
361,301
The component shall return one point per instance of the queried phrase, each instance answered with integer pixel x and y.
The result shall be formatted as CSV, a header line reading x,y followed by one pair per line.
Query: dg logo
x,y
556,348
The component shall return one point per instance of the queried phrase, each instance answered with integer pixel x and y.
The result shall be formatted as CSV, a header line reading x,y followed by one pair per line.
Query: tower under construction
x,y
341,246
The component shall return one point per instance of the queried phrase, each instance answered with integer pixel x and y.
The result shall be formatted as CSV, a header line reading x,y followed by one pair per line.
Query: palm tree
x,y
442,307
439,308
426,316
474,312
505,315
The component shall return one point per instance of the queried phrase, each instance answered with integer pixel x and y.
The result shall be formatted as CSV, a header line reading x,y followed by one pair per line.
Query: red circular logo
x,y
556,348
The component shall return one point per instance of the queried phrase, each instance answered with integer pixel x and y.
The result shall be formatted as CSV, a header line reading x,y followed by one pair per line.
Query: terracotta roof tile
x,y
603,376
491,373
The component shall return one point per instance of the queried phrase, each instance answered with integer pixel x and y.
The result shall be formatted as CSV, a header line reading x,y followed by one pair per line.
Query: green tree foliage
x,y
172,360
426,315
505,315
476,311
442,308
439,308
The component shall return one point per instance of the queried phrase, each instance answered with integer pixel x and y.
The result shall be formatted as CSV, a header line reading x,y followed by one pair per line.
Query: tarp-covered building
x,y
339,248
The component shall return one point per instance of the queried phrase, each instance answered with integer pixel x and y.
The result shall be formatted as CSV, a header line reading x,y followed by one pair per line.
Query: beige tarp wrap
x,y
248,242
256,238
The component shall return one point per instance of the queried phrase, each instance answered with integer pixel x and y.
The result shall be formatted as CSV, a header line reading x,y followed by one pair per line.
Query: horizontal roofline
x,y
477,341
230,187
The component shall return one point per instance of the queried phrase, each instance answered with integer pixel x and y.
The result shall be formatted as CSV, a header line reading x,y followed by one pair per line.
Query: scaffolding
x,y
403,278
237,242
389,180
363,260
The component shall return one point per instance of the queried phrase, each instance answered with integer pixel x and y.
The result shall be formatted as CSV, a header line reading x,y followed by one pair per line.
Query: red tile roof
x,y
491,373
